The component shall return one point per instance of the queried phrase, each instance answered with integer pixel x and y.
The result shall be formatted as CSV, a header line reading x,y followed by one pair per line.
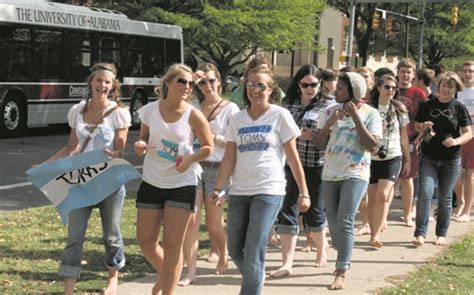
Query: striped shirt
x,y
308,116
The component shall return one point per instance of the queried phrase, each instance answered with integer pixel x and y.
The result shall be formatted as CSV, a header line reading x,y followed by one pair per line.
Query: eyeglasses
x,y
185,82
253,85
306,85
204,82
388,87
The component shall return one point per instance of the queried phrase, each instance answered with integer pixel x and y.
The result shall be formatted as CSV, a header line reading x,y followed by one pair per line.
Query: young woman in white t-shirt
x,y
111,136
392,158
257,140
218,111
170,173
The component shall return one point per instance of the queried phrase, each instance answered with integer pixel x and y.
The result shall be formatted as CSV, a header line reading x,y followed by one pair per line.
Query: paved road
x,y
371,270
18,154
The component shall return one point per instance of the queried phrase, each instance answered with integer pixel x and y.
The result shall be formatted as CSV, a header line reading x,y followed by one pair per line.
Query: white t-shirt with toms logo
x,y
260,157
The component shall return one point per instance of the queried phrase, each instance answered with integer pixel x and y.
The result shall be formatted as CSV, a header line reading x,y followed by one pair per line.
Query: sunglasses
x,y
252,85
388,87
185,82
306,85
204,82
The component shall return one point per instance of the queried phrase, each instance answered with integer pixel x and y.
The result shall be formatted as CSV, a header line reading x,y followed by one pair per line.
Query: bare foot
x,y
364,230
418,241
186,281
222,265
282,272
112,283
431,219
408,221
441,241
273,240
213,257
111,288
463,218
321,258
156,290
375,243
340,277
307,249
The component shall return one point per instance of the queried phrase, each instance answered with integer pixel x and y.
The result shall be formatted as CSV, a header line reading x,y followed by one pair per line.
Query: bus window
x,y
15,61
173,51
109,50
48,56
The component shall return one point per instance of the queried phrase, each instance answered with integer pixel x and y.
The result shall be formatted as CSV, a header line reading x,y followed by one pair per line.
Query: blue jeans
x,y
445,174
342,199
110,213
249,221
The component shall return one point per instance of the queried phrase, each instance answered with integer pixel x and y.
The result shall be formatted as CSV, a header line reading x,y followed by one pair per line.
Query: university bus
x,y
46,50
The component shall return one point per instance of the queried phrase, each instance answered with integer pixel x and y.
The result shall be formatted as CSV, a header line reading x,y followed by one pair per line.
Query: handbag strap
x,y
88,139
209,117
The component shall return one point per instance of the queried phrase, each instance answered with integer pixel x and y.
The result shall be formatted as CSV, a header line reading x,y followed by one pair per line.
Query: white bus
x,y
46,50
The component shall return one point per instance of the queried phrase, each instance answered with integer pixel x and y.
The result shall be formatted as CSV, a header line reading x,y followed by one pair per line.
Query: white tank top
x,y
170,140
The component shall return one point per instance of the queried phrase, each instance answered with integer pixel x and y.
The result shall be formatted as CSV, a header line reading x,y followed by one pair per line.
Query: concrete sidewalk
x,y
371,269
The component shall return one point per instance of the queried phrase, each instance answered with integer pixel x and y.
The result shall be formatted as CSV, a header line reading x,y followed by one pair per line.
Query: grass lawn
x,y
32,241
450,273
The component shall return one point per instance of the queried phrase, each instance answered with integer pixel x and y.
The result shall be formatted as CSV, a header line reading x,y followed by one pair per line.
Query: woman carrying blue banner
x,y
170,173
98,123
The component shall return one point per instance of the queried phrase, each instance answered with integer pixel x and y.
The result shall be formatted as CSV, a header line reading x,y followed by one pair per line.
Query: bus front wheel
x,y
137,102
13,116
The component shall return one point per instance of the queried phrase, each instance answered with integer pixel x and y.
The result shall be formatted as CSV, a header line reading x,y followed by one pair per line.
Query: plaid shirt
x,y
307,116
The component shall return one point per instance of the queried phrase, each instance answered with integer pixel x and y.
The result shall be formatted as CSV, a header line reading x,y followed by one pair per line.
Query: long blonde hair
x,y
173,71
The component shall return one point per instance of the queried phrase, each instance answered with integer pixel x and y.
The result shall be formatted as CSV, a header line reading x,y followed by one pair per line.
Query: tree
x,y
228,33
441,40
363,30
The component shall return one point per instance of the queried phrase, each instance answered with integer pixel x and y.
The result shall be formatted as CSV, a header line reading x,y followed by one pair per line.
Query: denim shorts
x,y
152,197
388,170
207,181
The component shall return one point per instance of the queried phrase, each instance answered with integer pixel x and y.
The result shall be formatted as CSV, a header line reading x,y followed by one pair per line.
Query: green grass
x,y
450,273
32,242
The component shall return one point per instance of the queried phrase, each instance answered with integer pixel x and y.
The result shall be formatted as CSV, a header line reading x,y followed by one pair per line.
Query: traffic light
x,y
389,24
375,21
454,14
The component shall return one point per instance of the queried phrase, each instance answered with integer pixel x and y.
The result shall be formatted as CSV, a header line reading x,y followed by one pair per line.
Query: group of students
x,y
332,138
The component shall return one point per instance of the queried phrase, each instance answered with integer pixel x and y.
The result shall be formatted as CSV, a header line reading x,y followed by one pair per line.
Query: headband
x,y
103,70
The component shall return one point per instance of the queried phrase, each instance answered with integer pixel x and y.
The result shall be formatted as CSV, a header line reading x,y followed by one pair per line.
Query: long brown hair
x,y
399,106
114,93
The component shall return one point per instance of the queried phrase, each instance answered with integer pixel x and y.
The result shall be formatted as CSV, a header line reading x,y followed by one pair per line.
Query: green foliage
x,y
441,40
228,33
32,242
451,273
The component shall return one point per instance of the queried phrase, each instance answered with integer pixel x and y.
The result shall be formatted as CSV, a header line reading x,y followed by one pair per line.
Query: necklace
x,y
101,111
257,116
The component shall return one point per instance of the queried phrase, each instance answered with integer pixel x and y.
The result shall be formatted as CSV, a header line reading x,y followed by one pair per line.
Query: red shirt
x,y
412,98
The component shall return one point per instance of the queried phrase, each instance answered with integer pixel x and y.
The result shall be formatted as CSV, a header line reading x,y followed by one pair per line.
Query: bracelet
x,y
304,195
216,189
326,126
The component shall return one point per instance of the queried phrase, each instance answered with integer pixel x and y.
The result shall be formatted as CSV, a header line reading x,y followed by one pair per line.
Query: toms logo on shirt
x,y
253,138
169,150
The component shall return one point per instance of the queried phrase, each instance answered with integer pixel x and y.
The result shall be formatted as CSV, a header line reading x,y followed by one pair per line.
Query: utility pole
x,y
351,33
422,31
